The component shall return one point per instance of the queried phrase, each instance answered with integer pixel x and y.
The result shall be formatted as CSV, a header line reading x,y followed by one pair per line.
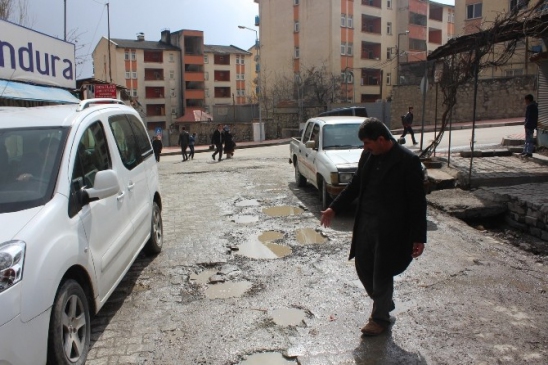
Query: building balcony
x,y
191,59
194,94
194,76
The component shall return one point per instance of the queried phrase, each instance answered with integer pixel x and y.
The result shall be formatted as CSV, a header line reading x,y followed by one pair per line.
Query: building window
x,y
514,72
133,56
171,58
349,21
473,11
389,28
295,2
126,56
242,76
417,44
343,20
388,78
349,49
450,17
135,93
172,93
389,53
205,59
297,53
296,27
128,75
343,48
516,5
206,75
242,60
207,93
173,111
389,4
134,75
172,74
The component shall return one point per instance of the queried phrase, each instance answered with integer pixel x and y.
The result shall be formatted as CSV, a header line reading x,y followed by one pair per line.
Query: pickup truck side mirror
x,y
310,144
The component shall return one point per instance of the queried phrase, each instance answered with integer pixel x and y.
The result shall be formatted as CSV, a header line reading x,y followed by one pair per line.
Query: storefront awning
x,y
21,91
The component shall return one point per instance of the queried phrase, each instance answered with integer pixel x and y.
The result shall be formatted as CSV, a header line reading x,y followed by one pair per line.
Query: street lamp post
x,y
398,57
347,73
257,48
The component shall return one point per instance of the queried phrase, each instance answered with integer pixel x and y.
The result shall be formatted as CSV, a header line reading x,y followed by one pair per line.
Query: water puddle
x,y
246,219
203,277
255,249
269,236
267,358
282,211
307,236
288,316
227,290
247,203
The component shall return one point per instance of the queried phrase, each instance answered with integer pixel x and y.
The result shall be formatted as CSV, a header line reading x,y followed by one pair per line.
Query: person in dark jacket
x,y
530,124
191,143
184,140
217,140
407,121
157,147
229,142
390,223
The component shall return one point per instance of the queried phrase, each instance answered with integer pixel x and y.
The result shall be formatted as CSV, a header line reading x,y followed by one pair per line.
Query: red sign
x,y
105,91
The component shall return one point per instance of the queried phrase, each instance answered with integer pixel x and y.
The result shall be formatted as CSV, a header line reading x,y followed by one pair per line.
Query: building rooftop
x,y
211,48
142,44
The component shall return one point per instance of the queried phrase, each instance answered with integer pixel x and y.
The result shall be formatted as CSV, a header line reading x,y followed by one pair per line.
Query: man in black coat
x,y
530,124
184,139
390,223
217,140
407,122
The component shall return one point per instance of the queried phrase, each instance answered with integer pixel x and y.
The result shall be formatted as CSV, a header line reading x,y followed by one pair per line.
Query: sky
x,y
218,19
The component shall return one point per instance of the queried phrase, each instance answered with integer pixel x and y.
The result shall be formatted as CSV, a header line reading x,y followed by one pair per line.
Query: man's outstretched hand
x,y
327,217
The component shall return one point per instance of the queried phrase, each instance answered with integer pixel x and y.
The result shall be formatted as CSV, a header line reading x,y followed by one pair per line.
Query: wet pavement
x,y
470,299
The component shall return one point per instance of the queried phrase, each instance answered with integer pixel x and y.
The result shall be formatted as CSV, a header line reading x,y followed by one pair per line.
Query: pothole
x,y
256,249
246,219
269,236
203,277
267,358
288,316
227,290
282,211
307,236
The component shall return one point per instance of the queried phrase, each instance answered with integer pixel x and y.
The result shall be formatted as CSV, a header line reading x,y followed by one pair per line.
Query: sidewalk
x,y
175,150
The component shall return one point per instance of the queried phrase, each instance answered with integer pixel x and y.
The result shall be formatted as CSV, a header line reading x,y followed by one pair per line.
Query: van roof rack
x,y
89,102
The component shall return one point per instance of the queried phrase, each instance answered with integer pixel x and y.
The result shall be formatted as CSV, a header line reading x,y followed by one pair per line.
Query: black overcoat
x,y
402,218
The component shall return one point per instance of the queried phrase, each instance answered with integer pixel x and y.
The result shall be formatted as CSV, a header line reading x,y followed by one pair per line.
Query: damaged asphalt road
x,y
248,276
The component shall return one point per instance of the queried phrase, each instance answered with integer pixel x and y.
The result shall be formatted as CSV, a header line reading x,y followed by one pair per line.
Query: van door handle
x,y
120,196
131,185
306,154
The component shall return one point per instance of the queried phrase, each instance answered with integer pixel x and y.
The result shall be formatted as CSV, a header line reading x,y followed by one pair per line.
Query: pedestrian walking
x,y
217,141
184,140
390,222
191,142
407,121
157,146
229,142
530,124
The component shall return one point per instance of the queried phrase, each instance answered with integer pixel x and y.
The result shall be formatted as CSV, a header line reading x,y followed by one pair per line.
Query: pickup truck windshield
x,y
341,136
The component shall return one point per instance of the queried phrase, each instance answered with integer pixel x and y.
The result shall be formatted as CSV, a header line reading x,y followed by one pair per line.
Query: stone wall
x,y
499,98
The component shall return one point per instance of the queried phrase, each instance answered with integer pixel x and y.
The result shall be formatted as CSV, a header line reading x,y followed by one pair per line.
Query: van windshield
x,y
341,136
29,162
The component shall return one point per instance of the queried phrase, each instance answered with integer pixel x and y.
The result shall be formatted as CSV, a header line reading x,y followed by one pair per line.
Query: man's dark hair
x,y
372,128
529,98
410,108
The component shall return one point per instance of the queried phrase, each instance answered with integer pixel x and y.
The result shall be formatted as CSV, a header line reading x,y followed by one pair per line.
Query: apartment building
x,y
165,78
227,79
357,39
472,16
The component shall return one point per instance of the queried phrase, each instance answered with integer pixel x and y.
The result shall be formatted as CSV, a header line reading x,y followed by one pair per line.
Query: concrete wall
x,y
499,98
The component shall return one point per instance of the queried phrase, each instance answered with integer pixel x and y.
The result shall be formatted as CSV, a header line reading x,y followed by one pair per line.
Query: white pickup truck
x,y
327,154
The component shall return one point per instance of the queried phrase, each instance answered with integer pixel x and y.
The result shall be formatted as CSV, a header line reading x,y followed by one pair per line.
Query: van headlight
x,y
12,260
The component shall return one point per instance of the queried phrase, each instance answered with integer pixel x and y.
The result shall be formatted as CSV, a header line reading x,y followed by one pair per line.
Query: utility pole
x,y
65,17
398,57
109,59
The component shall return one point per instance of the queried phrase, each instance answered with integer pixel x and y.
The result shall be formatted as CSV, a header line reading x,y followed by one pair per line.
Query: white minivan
x,y
79,200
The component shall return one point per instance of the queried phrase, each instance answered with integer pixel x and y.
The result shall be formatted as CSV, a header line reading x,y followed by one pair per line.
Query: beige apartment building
x,y
228,80
165,78
472,16
360,40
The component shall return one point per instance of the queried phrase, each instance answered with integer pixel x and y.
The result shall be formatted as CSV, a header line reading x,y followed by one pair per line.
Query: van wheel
x,y
69,327
299,179
156,241
326,198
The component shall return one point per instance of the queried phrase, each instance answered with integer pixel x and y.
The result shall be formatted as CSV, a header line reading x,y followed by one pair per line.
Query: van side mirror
x,y
310,144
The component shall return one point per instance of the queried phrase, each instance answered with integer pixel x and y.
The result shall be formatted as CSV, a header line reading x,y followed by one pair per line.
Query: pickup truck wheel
x,y
299,179
156,240
326,198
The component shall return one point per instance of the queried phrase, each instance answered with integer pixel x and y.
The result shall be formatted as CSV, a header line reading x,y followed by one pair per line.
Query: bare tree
x,y
15,11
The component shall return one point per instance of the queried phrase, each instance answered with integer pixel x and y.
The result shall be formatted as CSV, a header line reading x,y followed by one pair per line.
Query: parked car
x,y
327,155
79,200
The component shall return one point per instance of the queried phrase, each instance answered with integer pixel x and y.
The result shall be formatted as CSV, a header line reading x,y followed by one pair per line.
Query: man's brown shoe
x,y
373,328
